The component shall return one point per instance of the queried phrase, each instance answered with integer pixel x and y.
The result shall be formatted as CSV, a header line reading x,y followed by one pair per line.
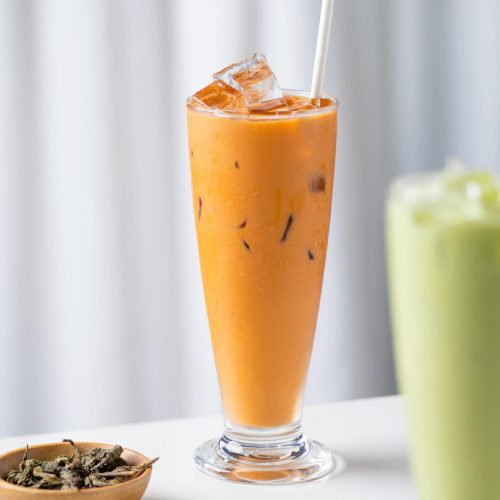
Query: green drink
x,y
443,243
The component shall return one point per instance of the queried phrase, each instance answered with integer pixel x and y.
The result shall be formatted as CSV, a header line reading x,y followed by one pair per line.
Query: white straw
x,y
325,27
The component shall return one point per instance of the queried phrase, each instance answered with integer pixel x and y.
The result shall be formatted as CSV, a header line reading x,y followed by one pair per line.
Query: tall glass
x,y
443,241
262,193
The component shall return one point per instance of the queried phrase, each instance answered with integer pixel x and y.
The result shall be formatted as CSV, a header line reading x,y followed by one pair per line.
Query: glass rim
x,y
332,106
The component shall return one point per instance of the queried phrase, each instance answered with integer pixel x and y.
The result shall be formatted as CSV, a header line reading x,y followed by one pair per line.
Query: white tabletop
x,y
369,434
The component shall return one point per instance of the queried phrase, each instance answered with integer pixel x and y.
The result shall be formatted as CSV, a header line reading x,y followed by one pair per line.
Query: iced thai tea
x,y
262,163
262,192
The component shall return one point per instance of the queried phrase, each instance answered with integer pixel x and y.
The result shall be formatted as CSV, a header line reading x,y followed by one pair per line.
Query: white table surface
x,y
369,434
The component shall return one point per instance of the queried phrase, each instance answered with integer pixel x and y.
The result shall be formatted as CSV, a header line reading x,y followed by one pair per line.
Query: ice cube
x,y
255,80
239,105
220,95
293,104
302,107
300,103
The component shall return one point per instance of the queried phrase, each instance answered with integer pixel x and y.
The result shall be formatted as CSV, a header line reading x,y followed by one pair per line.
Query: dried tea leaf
x,y
101,460
77,458
46,480
72,477
23,475
100,467
129,470
96,482
53,466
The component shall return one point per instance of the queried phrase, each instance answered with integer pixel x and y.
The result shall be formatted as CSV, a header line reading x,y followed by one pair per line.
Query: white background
x,y
102,318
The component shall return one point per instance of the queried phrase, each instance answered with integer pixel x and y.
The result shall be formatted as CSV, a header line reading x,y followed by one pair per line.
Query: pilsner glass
x,y
262,192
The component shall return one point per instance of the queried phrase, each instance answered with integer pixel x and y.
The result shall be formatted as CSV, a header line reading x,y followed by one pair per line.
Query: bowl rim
x,y
84,491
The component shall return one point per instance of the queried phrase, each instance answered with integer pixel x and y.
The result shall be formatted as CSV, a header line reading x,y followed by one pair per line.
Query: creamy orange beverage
x,y
262,193
262,165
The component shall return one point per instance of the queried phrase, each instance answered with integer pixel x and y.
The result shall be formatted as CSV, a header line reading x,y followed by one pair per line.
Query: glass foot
x,y
292,461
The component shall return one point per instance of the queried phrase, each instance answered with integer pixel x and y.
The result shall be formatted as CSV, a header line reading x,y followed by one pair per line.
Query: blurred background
x,y
102,319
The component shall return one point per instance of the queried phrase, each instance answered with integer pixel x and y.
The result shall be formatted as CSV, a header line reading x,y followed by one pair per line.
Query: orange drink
x,y
262,193
262,164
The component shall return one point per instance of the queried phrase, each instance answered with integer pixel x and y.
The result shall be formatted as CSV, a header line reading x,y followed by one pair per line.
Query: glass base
x,y
291,459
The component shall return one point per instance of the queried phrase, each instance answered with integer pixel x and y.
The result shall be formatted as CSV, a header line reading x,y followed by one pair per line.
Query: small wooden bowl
x,y
132,489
